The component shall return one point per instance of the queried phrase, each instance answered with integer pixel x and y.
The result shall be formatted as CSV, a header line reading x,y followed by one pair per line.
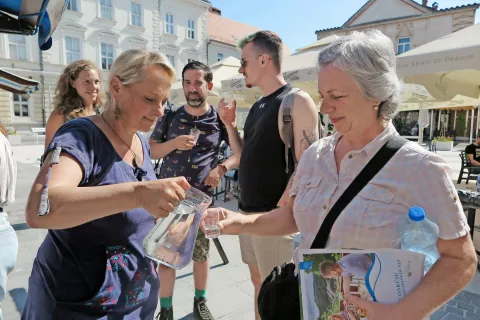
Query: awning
x,y
16,84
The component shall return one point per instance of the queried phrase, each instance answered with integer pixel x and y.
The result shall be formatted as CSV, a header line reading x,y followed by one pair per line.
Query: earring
x,y
116,112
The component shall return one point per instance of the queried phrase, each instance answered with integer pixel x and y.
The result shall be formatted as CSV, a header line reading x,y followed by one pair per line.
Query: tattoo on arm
x,y
308,139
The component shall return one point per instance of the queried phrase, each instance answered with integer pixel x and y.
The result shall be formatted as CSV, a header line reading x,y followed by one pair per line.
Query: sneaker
x,y
200,309
165,314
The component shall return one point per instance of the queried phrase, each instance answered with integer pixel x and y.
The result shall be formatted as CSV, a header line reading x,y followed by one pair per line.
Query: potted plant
x,y
13,138
444,143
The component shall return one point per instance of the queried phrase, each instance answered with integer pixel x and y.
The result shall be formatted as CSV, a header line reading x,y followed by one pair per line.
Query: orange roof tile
x,y
226,30
229,31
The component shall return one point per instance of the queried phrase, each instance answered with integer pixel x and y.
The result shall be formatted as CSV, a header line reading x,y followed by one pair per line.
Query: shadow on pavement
x,y
20,226
19,296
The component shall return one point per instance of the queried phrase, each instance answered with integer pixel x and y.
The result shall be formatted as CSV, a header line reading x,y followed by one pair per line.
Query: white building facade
x,y
99,30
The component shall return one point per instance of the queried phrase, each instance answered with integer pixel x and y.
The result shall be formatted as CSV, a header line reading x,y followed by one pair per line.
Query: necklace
x,y
133,152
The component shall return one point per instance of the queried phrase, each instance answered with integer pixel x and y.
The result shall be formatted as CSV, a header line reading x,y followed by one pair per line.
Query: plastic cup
x,y
195,133
210,228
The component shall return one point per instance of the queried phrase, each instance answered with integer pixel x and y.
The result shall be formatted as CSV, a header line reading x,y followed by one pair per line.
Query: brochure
x,y
383,275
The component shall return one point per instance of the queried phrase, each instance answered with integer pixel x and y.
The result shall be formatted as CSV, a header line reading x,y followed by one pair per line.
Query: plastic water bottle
x,y
421,236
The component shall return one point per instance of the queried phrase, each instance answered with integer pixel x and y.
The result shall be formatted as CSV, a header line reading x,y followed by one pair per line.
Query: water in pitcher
x,y
172,240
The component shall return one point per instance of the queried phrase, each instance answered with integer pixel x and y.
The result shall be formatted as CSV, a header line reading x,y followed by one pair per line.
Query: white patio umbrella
x,y
449,68
446,67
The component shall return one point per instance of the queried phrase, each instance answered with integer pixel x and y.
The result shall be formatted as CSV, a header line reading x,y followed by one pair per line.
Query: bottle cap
x,y
416,214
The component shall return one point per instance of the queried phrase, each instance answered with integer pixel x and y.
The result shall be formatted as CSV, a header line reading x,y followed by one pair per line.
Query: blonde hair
x,y
130,67
67,101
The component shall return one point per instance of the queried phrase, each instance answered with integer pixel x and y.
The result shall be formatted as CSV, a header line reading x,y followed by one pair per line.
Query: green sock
x,y
200,293
166,302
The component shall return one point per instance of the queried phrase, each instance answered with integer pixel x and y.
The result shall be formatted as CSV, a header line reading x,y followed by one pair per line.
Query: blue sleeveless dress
x,y
97,270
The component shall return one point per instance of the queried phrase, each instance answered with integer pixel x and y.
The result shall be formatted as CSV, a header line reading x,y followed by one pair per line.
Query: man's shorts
x,y
202,247
266,252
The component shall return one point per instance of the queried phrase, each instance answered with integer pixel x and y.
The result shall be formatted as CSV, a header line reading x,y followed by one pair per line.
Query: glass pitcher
x,y
172,240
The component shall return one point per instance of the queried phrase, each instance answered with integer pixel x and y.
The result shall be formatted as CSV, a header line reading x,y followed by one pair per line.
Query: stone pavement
x,y
230,292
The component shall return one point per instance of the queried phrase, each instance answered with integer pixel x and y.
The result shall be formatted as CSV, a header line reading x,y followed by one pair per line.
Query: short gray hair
x,y
369,58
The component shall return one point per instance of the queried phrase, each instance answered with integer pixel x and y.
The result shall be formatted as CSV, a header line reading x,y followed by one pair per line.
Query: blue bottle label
x,y
306,265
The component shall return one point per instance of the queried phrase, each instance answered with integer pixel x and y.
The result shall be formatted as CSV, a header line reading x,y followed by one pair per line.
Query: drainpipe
x,y
42,82
208,43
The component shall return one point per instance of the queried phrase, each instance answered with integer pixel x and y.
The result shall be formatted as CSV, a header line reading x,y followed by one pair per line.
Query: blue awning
x,y
16,84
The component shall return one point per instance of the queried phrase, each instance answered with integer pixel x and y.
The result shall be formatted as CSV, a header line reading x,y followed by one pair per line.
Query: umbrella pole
x,y
471,125
439,118
478,118
446,122
455,120
432,112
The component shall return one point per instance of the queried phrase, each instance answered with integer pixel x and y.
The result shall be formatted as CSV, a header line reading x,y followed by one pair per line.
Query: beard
x,y
195,102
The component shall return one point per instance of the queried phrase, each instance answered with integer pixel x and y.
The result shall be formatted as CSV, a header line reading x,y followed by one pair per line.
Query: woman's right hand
x,y
160,197
185,142
229,222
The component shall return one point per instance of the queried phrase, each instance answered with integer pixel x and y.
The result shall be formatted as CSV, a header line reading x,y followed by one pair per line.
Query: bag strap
x,y
287,130
369,171
168,112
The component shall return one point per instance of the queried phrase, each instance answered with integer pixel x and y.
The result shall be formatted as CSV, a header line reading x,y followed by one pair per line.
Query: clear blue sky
x,y
297,20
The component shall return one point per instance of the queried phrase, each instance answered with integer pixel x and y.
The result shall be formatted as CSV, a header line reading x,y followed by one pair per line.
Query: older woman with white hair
x,y
361,93
98,195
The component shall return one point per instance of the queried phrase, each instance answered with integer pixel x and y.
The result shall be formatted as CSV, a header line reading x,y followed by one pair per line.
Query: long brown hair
x,y
66,100
3,130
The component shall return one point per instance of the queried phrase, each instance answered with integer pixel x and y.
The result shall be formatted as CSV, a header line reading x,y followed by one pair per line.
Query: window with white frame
x,y
169,26
403,45
17,45
20,105
136,10
219,56
72,5
106,9
191,29
72,49
172,59
106,55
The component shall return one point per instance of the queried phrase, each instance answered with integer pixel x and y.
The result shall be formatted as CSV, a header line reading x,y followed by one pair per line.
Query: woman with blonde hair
x,y
98,195
79,93
8,237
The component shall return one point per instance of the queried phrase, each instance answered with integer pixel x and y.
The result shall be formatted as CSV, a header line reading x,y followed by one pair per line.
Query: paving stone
x,y
438,315
454,310
472,316
452,303
460,297
453,317
465,306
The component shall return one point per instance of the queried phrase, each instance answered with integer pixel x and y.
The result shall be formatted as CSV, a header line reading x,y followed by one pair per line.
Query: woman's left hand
x,y
377,311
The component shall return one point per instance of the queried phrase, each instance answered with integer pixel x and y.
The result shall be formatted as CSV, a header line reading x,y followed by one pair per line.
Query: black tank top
x,y
262,175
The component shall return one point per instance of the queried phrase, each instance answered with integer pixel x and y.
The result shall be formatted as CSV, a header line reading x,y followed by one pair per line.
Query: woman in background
x,y
79,93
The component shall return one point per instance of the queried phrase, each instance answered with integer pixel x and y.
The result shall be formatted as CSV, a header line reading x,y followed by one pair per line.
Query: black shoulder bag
x,y
279,295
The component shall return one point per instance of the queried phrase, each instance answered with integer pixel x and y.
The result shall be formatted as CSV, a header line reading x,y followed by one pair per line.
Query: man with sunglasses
x,y
263,174
197,161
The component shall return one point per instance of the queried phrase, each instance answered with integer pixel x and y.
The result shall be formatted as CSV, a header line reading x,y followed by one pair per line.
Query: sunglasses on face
x,y
243,62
